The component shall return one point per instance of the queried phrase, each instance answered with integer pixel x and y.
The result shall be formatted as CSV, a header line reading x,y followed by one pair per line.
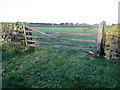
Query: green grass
x,y
92,31
49,68
56,29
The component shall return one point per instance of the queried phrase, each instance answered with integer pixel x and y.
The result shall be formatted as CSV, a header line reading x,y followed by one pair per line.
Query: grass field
x,y
55,68
48,68
58,29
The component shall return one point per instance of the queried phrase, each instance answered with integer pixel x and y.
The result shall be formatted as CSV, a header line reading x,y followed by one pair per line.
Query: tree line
x,y
68,24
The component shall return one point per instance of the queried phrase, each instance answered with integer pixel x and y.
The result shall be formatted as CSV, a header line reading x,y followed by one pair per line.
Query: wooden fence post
x,y
25,35
101,39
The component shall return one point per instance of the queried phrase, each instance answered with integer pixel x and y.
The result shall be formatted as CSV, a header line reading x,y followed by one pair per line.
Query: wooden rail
x,y
82,46
65,44
71,33
33,36
38,42
79,40
56,48
34,45
29,31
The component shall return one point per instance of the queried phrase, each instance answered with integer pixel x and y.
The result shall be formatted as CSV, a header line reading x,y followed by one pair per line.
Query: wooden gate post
x,y
101,39
25,35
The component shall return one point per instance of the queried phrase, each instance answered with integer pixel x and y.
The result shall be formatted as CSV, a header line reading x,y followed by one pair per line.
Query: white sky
x,y
57,11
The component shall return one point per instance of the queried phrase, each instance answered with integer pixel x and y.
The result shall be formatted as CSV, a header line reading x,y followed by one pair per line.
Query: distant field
x,y
62,29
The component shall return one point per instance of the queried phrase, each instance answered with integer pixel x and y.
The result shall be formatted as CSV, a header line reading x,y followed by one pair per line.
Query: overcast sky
x,y
57,11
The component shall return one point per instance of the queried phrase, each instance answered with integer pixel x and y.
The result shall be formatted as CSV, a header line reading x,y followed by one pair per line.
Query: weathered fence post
x,y
25,35
101,38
